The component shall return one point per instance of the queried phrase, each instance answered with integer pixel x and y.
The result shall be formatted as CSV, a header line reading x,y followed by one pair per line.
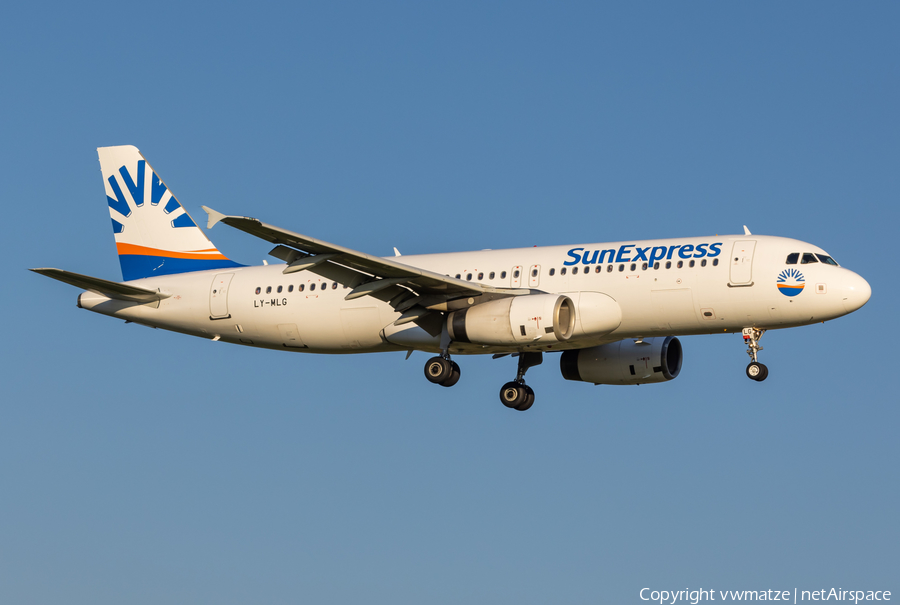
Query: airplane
x,y
613,311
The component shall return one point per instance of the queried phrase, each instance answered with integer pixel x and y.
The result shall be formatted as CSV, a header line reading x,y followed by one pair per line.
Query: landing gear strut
x,y
755,371
442,370
516,394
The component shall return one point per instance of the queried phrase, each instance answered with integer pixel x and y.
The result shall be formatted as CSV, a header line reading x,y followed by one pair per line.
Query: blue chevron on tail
x,y
154,234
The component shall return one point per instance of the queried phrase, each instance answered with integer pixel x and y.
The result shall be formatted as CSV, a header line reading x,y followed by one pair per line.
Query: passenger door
x,y
742,263
218,296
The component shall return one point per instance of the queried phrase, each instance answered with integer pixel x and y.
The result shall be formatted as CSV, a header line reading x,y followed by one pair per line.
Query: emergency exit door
x,y
516,276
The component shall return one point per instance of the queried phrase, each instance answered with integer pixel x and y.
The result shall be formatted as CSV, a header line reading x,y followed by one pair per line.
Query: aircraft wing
x,y
110,289
302,252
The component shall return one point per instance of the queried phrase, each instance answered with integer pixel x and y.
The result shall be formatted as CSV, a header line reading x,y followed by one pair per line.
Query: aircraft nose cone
x,y
856,293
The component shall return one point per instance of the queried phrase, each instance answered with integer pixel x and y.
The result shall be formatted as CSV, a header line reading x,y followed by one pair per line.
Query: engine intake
x,y
624,362
515,320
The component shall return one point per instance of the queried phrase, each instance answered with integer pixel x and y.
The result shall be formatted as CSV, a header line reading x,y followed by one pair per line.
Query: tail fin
x,y
154,234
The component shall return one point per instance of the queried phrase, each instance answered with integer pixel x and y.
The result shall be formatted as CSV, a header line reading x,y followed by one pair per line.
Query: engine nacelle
x,y
597,314
515,320
624,362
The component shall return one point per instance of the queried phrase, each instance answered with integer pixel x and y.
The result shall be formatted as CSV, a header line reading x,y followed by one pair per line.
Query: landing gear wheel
x,y
513,395
529,399
757,371
517,395
454,375
438,370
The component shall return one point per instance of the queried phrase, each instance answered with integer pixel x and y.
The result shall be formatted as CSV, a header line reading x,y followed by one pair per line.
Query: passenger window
x,y
668,264
300,288
680,264
621,268
503,275
458,276
609,269
334,286
480,276
574,270
656,265
691,264
633,266
291,288
792,258
562,271
808,258
268,289
468,277
491,276
644,267
703,263
279,289
598,269
715,262
516,273
258,290
534,273
552,272
827,259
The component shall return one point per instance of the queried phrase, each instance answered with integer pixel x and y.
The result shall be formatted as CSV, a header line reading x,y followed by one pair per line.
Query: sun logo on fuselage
x,y
790,282
143,197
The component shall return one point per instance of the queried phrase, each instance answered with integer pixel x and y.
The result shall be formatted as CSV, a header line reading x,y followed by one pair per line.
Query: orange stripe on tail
x,y
209,254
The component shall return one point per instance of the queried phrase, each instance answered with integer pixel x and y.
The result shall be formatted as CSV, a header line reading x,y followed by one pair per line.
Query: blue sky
x,y
142,466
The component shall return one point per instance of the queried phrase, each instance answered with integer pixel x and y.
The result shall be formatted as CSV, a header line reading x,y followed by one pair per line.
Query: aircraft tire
x,y
438,370
529,399
757,371
454,375
512,395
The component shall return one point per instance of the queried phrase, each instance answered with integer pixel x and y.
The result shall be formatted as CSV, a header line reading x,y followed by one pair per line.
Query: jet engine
x,y
597,314
624,362
515,320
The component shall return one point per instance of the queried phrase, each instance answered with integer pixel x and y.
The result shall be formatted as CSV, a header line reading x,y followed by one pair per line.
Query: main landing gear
x,y
442,370
516,394
755,371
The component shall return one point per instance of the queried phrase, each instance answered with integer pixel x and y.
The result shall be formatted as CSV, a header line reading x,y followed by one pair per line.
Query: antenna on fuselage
x,y
747,231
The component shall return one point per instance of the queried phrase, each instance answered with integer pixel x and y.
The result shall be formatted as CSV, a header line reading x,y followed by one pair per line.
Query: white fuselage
x,y
726,292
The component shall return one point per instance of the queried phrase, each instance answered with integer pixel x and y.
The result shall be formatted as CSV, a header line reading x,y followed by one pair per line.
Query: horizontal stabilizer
x,y
110,289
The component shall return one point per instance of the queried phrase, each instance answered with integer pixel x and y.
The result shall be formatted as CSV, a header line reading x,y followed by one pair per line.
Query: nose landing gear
x,y
517,395
755,371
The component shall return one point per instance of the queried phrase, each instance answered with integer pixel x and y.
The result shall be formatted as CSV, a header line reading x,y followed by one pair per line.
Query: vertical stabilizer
x,y
154,234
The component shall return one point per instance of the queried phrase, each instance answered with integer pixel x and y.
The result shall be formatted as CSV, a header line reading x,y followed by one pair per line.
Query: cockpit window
x,y
808,258
792,258
827,259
